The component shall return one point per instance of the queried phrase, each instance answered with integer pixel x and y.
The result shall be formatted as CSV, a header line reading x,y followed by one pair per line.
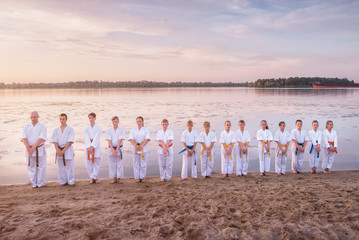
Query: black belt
x,y
37,155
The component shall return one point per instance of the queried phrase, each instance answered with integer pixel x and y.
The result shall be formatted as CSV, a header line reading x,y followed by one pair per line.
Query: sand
x,y
302,206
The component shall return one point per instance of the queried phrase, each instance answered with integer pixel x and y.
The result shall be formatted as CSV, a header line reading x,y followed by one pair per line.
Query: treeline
x,y
298,82
127,84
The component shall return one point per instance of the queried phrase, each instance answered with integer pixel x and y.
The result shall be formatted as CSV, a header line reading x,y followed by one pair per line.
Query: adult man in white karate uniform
x,y
34,137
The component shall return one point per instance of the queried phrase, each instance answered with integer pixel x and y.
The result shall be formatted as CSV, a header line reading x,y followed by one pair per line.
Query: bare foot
x,y
279,174
138,180
92,181
295,172
162,180
97,181
183,179
262,174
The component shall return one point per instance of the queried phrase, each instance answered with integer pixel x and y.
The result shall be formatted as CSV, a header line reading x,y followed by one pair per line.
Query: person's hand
x,y
31,150
190,153
59,152
317,148
208,152
114,153
284,151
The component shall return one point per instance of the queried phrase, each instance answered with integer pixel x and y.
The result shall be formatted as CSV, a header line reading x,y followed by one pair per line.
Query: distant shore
x,y
294,206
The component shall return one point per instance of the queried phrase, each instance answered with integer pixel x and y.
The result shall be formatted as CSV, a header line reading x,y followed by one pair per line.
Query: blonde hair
x,y
164,121
227,121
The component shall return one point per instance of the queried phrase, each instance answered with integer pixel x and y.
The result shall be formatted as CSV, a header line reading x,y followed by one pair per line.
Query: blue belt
x,y
115,148
190,148
296,149
311,149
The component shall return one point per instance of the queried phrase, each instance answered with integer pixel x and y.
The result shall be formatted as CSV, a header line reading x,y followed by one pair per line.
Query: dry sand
x,y
303,206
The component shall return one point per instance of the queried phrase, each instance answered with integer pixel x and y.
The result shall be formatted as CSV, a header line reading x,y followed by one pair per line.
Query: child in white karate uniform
x,y
264,138
299,138
330,140
189,140
139,137
315,137
282,138
242,138
207,139
115,136
93,150
227,141
165,151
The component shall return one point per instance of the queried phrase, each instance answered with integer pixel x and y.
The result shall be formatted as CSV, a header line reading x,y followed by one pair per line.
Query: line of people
x,y
234,147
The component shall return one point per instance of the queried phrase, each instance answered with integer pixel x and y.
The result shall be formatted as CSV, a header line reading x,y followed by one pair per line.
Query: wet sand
x,y
302,206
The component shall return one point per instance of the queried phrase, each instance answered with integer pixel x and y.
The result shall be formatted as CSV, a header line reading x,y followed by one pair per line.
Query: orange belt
x,y
332,145
93,155
168,146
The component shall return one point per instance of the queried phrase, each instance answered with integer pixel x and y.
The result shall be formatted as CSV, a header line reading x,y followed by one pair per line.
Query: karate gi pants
x,y
313,159
37,175
264,163
185,160
227,164
115,167
139,165
280,163
206,164
242,163
297,161
93,169
165,163
66,173
328,159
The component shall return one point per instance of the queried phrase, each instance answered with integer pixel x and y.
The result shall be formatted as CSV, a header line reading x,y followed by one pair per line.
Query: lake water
x,y
177,105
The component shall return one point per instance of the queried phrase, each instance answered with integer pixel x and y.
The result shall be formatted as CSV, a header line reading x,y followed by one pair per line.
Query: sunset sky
x,y
56,41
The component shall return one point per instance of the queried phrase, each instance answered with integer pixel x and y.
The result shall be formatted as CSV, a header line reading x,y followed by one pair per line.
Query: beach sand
x,y
302,206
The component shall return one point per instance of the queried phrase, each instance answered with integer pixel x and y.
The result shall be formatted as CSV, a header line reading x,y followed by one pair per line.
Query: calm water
x,y
177,105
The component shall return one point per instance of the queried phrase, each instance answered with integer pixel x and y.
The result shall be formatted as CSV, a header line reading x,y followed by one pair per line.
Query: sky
x,y
204,40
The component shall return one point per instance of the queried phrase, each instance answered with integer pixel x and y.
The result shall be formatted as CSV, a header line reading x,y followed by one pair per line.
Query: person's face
x,y
139,122
92,120
34,118
63,120
315,126
263,125
164,125
282,127
189,127
115,123
299,125
227,126
330,125
241,125
206,128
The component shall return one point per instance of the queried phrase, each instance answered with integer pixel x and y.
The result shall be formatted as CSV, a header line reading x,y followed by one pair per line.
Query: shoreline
x,y
199,178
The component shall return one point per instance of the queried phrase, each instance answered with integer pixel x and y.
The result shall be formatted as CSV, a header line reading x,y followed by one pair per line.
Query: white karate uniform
x,y
328,157
66,172
165,162
264,156
139,161
297,156
189,138
32,133
283,138
207,161
115,166
242,159
315,139
93,133
227,160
